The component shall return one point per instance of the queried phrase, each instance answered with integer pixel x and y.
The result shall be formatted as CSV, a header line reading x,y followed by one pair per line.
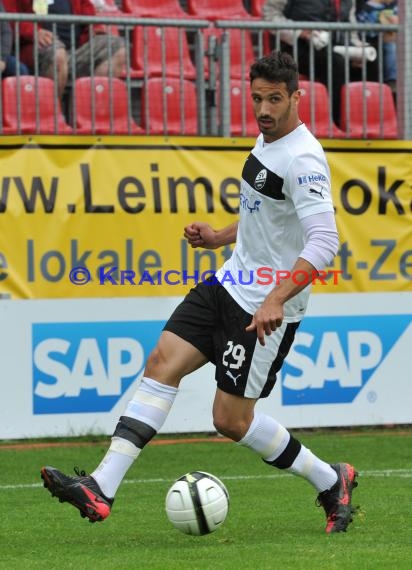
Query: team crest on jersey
x,y
260,179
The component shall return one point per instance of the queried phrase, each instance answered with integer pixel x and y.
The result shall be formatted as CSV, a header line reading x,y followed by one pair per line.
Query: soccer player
x,y
287,223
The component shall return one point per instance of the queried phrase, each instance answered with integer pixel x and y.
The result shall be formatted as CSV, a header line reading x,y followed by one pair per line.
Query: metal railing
x,y
403,114
212,61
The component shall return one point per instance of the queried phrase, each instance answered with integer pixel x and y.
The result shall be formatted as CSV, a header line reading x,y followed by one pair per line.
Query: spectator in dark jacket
x,y
8,64
383,12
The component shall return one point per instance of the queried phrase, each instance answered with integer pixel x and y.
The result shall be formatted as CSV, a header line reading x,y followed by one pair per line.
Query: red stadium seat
x,y
372,120
169,106
256,8
156,51
155,8
241,50
319,124
102,107
31,105
218,9
243,121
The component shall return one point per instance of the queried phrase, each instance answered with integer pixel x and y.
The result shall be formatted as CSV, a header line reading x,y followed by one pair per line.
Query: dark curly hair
x,y
276,67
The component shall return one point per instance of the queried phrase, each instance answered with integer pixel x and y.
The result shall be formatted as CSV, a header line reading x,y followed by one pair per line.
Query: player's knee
x,y
156,356
163,368
232,427
156,362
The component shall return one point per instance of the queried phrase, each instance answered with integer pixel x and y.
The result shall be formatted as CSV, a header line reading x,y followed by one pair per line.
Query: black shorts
x,y
214,323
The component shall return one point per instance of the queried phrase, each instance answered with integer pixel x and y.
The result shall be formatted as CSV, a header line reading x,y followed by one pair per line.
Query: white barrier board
x,y
68,367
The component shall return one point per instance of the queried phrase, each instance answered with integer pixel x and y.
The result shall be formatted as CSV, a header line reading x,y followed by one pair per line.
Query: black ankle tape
x,y
288,455
135,431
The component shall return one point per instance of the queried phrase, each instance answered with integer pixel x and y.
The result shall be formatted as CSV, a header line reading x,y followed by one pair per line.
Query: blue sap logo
x,y
331,360
87,367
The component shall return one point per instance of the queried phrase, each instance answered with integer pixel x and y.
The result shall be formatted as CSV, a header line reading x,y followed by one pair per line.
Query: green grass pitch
x,y
273,522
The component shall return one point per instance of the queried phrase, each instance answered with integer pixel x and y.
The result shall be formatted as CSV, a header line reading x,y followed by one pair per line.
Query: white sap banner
x,y
68,367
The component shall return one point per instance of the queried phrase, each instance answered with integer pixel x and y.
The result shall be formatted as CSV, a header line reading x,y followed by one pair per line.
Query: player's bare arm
x,y
201,234
269,316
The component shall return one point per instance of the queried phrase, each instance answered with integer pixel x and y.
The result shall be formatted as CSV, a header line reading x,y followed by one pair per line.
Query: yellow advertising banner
x,y
104,217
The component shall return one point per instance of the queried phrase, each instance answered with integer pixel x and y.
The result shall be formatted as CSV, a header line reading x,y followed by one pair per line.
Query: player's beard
x,y
279,122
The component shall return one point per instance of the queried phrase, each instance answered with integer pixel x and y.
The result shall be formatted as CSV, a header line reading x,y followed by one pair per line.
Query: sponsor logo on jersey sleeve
x,y
315,178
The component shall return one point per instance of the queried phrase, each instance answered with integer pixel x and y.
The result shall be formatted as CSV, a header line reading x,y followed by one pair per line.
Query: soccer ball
x,y
197,503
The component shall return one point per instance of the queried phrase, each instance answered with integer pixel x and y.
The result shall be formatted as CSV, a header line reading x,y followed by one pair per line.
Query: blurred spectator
x,y
8,62
384,12
108,57
104,7
57,42
283,11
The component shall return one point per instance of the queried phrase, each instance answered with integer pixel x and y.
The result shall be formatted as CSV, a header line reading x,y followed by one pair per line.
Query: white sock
x,y
266,436
269,438
149,406
319,473
114,465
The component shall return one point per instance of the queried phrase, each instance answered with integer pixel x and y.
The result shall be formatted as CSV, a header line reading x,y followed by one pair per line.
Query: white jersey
x,y
282,183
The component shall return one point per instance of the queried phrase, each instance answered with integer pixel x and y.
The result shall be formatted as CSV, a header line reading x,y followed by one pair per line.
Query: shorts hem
x,y
179,331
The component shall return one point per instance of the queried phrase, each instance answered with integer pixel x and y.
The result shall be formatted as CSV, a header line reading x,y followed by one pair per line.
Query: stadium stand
x,y
102,107
314,96
218,10
368,110
169,106
160,51
243,122
155,8
30,105
107,8
241,50
256,8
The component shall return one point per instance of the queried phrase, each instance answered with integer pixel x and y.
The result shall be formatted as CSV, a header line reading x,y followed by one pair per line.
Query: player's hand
x,y
267,319
200,234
